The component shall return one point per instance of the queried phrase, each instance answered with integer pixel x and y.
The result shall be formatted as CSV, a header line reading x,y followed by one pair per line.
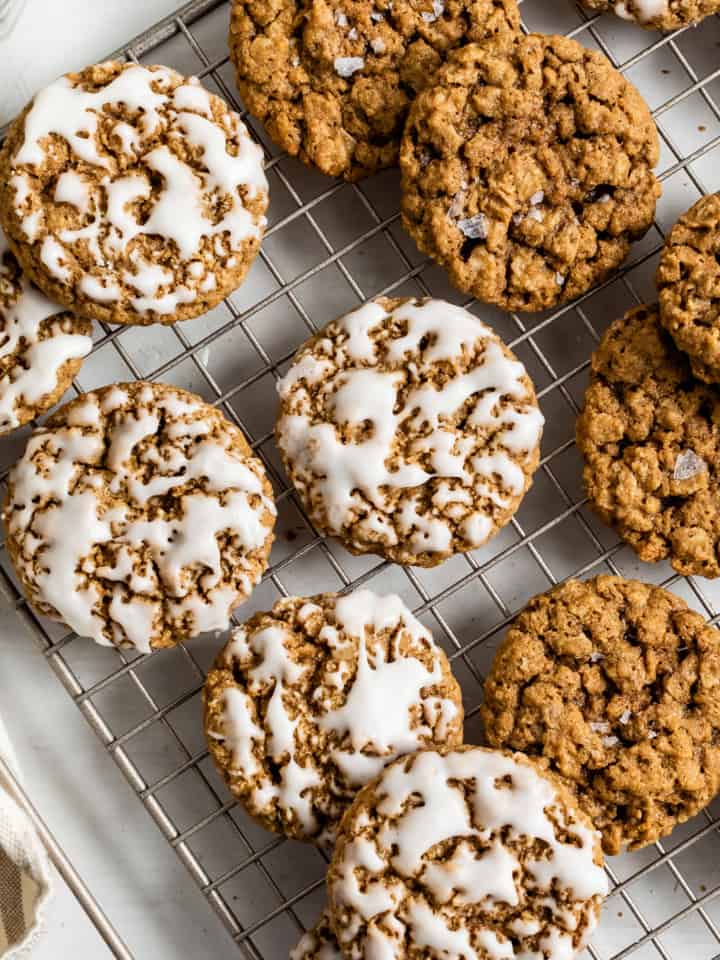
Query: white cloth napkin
x,y
24,871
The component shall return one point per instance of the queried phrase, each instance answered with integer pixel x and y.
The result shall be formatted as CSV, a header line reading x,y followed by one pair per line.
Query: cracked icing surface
x,y
308,702
42,346
319,943
688,279
552,148
657,14
616,684
132,195
650,437
332,81
138,516
471,854
409,430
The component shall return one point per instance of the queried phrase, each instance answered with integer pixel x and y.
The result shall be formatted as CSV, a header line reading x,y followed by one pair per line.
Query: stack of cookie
x,y
650,428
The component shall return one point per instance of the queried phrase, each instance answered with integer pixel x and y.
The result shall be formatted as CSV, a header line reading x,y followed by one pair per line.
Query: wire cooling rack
x,y
329,247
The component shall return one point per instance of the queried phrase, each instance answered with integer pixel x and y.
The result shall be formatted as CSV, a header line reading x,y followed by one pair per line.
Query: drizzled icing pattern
x,y
309,702
319,943
409,428
459,853
164,187
138,517
35,345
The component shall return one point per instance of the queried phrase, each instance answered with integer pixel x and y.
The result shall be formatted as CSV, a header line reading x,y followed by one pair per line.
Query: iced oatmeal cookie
x,y
650,437
42,346
688,280
308,702
332,80
409,430
528,174
616,684
138,516
131,194
465,853
657,14
320,943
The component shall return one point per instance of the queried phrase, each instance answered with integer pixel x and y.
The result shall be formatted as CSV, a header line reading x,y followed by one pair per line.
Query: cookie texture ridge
x,y
688,279
42,346
409,430
308,702
138,516
332,82
616,685
657,14
131,194
465,853
649,436
320,943
527,173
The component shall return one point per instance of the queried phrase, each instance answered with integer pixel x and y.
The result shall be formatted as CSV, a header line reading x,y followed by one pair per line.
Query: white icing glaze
x,y
348,476
479,800
320,943
181,212
58,516
20,324
642,10
387,708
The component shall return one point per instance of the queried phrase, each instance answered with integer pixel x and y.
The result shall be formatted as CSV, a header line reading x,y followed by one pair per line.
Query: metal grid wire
x,y
329,247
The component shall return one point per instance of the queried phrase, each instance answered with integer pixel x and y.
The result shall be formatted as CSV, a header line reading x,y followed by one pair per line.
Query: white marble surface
x,y
147,893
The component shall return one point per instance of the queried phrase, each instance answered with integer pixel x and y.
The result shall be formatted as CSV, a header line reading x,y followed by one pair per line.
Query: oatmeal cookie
x,y
657,14
688,280
320,943
465,853
332,81
528,174
138,516
42,346
650,437
616,684
409,430
308,702
131,194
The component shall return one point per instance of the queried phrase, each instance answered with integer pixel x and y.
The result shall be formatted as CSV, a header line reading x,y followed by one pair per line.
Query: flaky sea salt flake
x,y
625,717
340,19
559,279
599,726
352,34
378,45
347,66
596,656
438,8
474,228
537,198
610,741
377,16
688,465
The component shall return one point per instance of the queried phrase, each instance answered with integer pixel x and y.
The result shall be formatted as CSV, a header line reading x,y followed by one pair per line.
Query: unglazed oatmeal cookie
x,y
138,516
332,81
470,853
132,195
409,430
616,684
308,702
42,346
688,279
320,943
527,174
650,437
657,14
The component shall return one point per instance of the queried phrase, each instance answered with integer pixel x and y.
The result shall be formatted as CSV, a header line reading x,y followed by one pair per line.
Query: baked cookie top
x,y
467,853
308,702
616,684
131,194
657,14
332,81
649,433
527,174
41,346
138,516
319,943
409,430
688,279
